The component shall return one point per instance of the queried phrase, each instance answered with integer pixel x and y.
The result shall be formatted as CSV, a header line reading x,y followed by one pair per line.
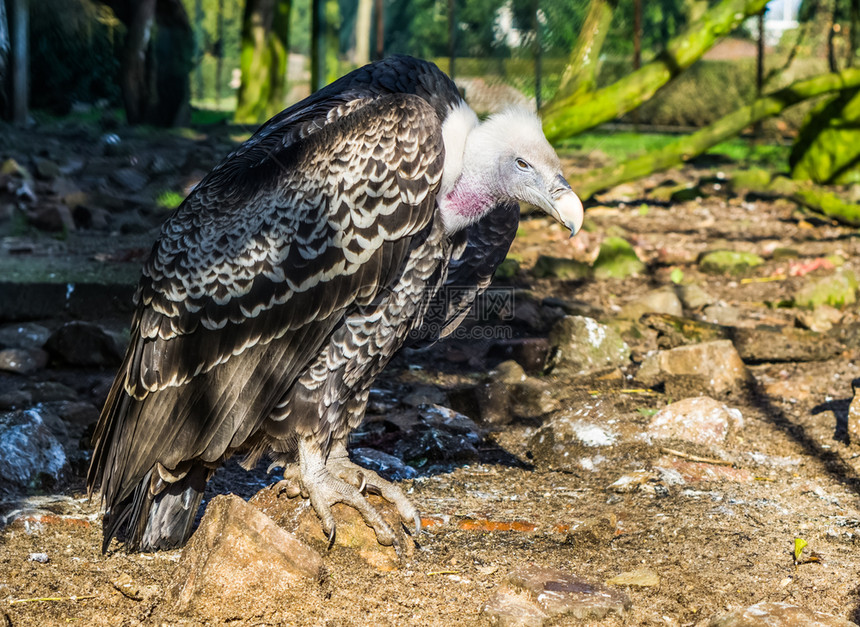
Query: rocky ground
x,y
649,424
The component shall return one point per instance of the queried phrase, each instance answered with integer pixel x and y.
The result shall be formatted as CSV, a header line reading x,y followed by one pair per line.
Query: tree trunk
x,y
265,32
692,145
362,32
156,61
581,72
566,116
5,48
20,61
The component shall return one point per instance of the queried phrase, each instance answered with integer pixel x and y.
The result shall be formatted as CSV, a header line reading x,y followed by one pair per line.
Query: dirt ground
x,y
715,544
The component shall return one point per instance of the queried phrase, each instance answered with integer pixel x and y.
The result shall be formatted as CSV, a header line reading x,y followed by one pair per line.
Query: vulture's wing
x,y
482,247
253,272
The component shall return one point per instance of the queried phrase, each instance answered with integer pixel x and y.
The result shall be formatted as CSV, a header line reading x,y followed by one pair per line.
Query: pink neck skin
x,y
468,201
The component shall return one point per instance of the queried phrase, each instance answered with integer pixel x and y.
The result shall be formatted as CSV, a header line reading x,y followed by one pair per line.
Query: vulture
x,y
368,216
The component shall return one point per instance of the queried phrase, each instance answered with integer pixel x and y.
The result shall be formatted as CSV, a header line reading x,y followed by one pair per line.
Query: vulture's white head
x,y
504,158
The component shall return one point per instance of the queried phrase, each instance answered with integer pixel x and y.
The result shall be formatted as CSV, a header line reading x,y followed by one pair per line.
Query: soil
x,y
715,544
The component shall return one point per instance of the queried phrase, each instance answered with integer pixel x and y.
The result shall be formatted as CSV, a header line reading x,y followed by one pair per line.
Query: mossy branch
x,y
700,141
567,115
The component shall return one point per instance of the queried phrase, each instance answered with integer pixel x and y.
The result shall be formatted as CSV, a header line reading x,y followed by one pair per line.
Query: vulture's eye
x,y
523,165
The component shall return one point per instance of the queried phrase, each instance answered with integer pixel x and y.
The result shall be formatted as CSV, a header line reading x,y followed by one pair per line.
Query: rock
x,y
712,367
532,398
674,331
560,268
22,361
29,455
594,532
46,169
129,179
508,269
639,578
582,346
442,436
509,608
13,168
632,481
729,261
837,290
680,472
240,557
23,335
85,344
616,260
777,614
560,593
572,307
529,352
296,516
747,179
854,416
564,439
725,315
821,319
54,218
766,344
700,420
388,466
425,395
662,301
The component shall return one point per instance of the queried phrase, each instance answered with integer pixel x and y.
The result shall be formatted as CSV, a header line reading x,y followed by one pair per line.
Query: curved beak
x,y
566,206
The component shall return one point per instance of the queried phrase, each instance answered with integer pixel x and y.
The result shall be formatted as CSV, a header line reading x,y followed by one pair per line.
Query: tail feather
x,y
157,515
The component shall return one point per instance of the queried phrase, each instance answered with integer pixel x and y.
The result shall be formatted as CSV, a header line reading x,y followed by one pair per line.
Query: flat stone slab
x,y
778,615
534,594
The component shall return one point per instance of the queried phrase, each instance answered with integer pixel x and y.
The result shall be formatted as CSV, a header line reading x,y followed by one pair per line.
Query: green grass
x,y
621,146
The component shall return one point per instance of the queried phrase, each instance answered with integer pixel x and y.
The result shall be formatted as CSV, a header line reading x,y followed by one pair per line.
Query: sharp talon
x,y
331,537
417,524
373,489
272,467
363,482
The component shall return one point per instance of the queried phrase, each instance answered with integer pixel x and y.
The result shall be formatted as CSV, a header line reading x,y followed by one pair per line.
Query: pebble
x,y
662,301
41,558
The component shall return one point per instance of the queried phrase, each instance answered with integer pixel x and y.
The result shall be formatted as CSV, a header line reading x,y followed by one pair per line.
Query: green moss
x,y
729,261
169,199
617,260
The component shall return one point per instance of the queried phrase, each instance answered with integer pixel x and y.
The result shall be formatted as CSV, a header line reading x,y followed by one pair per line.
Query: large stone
x,y
85,344
243,560
24,335
701,420
296,515
559,593
30,456
564,440
778,614
711,367
511,608
582,346
662,301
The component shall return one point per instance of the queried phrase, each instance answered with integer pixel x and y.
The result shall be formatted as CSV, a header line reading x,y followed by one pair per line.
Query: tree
x,y
156,60
5,48
567,115
263,61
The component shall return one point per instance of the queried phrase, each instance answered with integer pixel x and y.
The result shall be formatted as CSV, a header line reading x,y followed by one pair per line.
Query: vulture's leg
x,y
325,489
364,479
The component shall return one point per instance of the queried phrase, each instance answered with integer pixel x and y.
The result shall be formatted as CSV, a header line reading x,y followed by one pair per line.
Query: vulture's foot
x,y
337,480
